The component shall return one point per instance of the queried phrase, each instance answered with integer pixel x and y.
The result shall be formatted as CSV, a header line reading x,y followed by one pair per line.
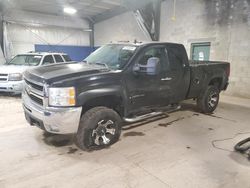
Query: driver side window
x,y
153,53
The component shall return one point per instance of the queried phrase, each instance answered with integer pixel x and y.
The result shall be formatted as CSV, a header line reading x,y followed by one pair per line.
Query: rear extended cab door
x,y
177,75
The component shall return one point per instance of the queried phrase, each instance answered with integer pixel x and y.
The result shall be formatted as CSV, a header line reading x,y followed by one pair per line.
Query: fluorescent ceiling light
x,y
69,10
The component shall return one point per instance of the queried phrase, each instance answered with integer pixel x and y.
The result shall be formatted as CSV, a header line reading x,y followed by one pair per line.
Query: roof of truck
x,y
43,53
140,43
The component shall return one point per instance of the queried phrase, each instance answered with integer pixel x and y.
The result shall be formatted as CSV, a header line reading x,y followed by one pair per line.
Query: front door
x,y
145,91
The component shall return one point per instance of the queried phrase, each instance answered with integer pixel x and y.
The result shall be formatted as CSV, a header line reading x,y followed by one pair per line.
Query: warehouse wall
x,y
25,29
226,24
119,28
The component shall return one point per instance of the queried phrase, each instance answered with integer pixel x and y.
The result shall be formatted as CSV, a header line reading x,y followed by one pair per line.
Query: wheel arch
x,y
216,81
112,100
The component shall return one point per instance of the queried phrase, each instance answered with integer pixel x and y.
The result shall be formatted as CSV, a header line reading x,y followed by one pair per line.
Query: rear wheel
x,y
99,127
208,102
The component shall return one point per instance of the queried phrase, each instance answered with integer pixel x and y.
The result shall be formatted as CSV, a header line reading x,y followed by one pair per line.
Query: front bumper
x,y
53,120
12,86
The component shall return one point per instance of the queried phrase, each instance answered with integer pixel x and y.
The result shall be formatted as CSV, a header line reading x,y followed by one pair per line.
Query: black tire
x,y
96,122
209,100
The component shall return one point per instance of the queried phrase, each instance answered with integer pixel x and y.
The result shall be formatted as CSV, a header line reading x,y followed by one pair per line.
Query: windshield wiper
x,y
94,63
103,64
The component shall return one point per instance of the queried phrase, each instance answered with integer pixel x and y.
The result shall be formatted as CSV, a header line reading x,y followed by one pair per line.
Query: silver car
x,y
11,73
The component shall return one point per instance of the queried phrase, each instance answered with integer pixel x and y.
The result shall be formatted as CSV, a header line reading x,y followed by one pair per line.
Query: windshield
x,y
28,60
113,56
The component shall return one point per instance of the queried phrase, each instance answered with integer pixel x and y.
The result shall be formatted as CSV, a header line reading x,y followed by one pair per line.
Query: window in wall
x,y
200,51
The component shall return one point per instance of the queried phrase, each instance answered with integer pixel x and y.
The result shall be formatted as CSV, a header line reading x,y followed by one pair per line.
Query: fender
x,y
114,91
209,76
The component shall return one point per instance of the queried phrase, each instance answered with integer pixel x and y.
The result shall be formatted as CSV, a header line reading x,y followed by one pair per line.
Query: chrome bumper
x,y
12,86
53,120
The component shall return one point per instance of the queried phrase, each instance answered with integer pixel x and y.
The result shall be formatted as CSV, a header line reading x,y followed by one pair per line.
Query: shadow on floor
x,y
185,106
8,94
138,124
58,140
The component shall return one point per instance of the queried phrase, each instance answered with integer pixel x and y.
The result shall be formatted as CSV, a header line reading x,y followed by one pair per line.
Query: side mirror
x,y
152,67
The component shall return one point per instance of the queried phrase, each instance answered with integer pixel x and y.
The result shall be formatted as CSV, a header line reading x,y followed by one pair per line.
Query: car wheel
x,y
208,102
99,127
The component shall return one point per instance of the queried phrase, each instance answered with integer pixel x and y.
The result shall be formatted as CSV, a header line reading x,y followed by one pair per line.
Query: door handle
x,y
166,79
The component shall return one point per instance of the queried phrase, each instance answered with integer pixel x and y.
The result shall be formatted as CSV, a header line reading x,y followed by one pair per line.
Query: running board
x,y
150,115
143,117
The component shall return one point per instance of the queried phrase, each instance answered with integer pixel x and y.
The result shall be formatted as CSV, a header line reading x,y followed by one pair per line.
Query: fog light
x,y
54,128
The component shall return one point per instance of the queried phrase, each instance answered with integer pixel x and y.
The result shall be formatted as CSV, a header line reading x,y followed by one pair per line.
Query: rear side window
x,y
67,58
175,58
58,58
48,60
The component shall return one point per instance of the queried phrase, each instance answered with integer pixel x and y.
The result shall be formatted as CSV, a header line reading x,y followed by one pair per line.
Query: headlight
x,y
62,96
15,77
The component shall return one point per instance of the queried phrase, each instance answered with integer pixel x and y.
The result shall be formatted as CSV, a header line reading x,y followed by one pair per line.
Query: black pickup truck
x,y
118,84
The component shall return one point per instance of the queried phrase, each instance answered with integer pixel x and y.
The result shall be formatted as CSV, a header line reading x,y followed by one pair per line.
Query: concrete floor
x,y
175,151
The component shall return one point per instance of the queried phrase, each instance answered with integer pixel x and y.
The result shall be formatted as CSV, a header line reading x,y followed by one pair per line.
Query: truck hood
x,y
58,72
7,69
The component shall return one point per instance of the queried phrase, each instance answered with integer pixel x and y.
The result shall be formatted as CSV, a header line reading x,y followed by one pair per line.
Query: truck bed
x,y
202,72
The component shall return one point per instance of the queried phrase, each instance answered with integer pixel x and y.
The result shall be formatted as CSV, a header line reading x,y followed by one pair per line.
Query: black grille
x,y
3,74
35,98
3,79
38,87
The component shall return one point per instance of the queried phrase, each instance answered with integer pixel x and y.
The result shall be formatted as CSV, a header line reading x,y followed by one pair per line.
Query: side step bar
x,y
150,115
140,118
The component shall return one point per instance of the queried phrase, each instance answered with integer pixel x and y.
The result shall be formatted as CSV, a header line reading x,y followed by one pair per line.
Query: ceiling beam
x,y
125,6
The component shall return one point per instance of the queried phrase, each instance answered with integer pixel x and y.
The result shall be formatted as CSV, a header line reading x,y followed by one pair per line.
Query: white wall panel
x,y
28,29
36,18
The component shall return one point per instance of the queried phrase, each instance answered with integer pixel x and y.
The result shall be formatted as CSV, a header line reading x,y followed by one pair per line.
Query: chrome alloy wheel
x,y
213,99
104,132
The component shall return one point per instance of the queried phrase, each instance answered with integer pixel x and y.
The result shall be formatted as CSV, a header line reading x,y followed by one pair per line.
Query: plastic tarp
x,y
148,19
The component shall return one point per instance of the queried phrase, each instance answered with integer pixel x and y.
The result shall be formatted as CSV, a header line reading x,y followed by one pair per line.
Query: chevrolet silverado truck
x,y
117,84
11,73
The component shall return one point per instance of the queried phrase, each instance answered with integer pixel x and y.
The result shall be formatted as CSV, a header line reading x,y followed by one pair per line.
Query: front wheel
x,y
208,102
99,127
